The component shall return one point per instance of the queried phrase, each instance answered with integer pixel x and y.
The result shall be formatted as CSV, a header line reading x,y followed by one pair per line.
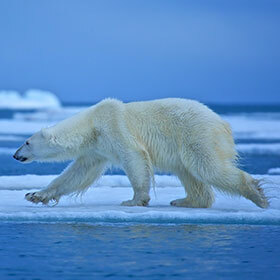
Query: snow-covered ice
x,y
101,203
31,99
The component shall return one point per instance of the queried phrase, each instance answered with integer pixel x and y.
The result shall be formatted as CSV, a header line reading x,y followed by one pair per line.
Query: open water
x,y
85,251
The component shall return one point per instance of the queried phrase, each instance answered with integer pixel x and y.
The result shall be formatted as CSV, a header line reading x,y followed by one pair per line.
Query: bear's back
x,y
170,110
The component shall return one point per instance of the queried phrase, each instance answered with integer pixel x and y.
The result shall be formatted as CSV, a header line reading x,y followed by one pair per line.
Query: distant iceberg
x,y
31,99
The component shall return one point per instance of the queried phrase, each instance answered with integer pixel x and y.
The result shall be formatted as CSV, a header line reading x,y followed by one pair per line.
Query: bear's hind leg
x,y
225,176
237,182
199,195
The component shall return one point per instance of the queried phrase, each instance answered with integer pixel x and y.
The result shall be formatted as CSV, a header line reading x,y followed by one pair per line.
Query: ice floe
x,y
101,203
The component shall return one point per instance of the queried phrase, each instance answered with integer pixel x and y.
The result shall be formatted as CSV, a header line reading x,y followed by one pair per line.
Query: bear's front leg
x,y
138,169
76,178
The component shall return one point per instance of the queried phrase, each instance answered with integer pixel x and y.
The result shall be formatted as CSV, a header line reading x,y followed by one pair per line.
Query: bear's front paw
x,y
134,202
37,197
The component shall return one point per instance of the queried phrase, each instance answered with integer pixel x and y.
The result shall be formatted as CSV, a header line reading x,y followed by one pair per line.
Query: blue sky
x,y
214,51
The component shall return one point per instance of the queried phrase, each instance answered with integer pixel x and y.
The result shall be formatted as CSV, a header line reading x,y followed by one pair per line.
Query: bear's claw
x,y
36,197
32,197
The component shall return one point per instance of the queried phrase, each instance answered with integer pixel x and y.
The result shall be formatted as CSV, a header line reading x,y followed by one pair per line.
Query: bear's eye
x,y
27,143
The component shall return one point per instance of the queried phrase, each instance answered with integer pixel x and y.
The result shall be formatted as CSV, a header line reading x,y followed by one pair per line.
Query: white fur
x,y
180,136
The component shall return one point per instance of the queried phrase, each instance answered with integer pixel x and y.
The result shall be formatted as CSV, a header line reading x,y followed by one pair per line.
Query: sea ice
x,y
101,203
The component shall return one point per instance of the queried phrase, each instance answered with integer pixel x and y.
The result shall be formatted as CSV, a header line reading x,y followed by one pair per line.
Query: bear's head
x,y
41,146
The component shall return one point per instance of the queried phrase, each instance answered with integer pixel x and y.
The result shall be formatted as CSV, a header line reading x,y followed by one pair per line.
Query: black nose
x,y
20,158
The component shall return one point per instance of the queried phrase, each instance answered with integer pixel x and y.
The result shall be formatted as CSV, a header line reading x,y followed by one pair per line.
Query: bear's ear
x,y
47,135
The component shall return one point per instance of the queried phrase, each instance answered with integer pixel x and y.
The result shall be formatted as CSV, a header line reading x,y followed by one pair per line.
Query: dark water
x,y
80,251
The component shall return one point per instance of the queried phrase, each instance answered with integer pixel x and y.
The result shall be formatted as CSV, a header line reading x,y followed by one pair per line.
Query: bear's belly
x,y
165,160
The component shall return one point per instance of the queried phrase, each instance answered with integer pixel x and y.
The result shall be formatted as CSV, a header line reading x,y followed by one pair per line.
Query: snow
x,y
31,99
101,203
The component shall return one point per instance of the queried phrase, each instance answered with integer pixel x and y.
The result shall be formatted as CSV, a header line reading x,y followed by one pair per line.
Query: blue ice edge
x,y
111,218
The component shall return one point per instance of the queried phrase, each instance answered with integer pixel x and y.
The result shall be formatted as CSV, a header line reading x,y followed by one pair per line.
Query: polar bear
x,y
179,136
